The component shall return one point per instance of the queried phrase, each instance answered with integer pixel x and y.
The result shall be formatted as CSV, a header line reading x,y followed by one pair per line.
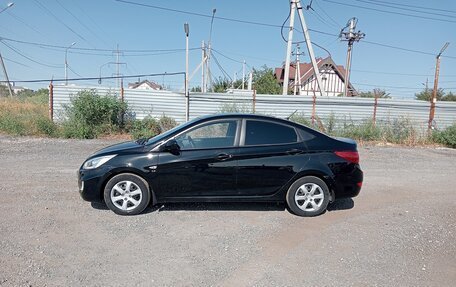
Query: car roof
x,y
242,115
255,117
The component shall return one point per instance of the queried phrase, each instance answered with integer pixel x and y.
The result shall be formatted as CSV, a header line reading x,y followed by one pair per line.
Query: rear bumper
x,y
349,182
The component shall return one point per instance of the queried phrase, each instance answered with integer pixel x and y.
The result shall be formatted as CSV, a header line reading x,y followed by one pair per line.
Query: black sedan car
x,y
228,157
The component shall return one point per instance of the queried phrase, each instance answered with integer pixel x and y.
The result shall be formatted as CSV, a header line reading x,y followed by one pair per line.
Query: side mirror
x,y
172,147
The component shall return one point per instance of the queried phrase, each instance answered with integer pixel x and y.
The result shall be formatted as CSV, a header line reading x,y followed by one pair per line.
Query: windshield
x,y
164,135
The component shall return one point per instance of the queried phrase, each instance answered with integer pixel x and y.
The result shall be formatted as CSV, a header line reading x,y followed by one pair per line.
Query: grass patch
x,y
90,115
22,117
446,137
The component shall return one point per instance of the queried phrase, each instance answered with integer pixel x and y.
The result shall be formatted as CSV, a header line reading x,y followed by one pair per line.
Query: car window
x,y
261,133
212,135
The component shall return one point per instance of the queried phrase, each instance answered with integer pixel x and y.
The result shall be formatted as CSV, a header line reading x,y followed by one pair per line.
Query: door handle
x,y
223,156
294,151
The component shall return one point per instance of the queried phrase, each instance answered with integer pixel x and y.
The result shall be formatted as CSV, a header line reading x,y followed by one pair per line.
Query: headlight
x,y
97,161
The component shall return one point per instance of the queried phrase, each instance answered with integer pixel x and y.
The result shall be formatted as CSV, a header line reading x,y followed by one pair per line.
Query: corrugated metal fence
x,y
144,103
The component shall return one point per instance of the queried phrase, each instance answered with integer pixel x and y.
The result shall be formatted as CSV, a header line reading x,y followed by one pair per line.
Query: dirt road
x,y
400,231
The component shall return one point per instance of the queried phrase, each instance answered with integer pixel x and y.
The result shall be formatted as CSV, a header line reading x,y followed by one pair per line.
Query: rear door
x,y
270,154
206,165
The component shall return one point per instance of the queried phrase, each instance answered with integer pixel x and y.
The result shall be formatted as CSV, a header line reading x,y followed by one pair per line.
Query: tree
x,y
4,92
25,94
40,96
196,89
450,97
265,82
220,85
426,95
381,94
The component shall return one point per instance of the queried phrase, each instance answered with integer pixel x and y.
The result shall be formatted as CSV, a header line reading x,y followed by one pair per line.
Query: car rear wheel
x,y
308,196
127,194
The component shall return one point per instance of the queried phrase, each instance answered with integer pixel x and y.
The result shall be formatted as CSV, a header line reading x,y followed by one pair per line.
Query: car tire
x,y
127,194
308,196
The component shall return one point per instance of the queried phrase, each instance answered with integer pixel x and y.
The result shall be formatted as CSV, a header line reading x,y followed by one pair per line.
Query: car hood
x,y
118,148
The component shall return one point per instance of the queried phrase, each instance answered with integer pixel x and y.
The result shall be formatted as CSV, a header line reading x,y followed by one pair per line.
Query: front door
x,y
206,165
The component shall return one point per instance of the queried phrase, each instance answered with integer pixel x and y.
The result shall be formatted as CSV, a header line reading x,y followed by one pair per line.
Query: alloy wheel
x,y
126,195
309,197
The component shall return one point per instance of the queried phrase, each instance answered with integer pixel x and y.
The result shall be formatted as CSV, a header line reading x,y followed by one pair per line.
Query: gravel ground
x,y
400,231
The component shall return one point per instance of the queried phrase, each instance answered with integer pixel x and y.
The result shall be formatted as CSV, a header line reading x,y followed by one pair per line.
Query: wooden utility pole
x,y
434,92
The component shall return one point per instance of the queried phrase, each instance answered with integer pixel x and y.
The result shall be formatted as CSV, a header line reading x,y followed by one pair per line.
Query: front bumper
x,y
90,183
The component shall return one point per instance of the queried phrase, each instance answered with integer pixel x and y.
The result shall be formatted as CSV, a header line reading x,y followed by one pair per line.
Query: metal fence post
x,y
121,91
51,101
374,118
314,103
254,101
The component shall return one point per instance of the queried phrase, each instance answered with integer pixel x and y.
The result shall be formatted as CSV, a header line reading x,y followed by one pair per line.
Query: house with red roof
x,y
333,78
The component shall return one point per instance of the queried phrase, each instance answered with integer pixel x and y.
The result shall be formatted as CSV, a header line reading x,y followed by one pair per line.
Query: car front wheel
x,y
308,196
127,194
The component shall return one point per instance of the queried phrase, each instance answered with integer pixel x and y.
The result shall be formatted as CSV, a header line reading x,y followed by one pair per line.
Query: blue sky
x,y
103,24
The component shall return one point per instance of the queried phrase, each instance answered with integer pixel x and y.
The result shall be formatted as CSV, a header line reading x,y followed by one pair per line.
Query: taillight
x,y
351,156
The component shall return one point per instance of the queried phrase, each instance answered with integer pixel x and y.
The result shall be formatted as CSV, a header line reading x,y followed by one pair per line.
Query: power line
x,y
58,20
383,86
27,57
92,49
229,58
329,16
200,14
390,12
404,9
12,61
320,18
414,6
392,73
19,19
79,21
221,68
399,48
386,45
324,33
97,78
73,71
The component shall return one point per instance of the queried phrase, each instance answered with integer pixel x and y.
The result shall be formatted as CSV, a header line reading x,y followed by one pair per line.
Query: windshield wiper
x,y
141,141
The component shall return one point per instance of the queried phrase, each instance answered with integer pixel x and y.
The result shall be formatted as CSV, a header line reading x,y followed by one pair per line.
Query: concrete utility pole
x,y
1,58
297,87
209,52
6,76
243,75
203,67
296,5
436,83
286,75
66,62
101,67
250,81
350,36
118,63
187,107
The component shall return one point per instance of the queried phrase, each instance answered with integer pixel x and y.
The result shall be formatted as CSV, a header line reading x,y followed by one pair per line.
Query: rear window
x,y
264,133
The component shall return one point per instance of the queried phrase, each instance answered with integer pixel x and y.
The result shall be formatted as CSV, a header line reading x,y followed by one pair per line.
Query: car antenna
x,y
288,118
